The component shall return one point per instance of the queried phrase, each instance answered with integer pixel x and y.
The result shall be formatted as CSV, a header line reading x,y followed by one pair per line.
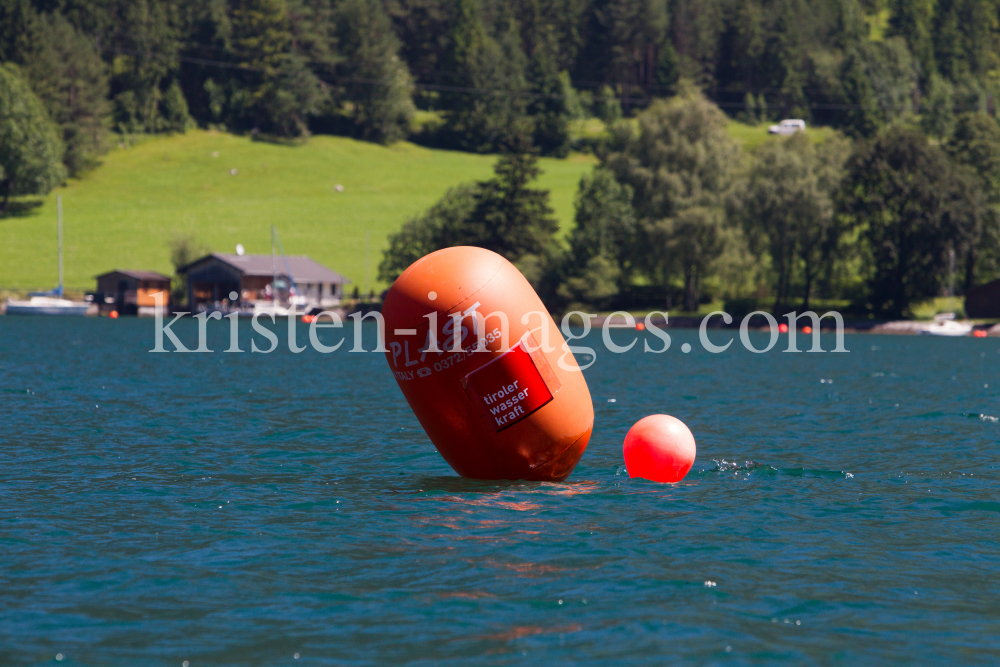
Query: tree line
x,y
513,75
676,213
491,68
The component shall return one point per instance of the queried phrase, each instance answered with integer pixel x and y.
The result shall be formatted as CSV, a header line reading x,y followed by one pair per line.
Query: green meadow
x,y
125,213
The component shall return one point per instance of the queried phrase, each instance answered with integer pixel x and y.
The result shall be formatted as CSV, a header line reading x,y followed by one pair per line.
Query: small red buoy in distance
x,y
783,328
640,326
979,333
660,448
113,314
308,319
807,329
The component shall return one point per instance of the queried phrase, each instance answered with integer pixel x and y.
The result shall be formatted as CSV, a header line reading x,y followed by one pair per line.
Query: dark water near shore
x,y
245,509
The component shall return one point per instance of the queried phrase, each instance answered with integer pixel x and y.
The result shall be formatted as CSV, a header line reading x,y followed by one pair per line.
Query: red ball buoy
x,y
113,314
660,448
783,328
979,333
640,326
807,329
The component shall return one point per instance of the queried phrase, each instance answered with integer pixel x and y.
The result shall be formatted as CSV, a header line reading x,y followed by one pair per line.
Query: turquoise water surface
x,y
287,509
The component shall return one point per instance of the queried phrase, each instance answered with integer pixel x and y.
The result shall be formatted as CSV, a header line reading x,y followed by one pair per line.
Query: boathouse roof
x,y
302,268
138,275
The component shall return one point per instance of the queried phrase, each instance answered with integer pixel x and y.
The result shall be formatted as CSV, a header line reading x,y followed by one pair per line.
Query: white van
x,y
788,126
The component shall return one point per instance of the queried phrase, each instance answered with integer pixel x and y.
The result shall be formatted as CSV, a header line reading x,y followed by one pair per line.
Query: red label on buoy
x,y
511,387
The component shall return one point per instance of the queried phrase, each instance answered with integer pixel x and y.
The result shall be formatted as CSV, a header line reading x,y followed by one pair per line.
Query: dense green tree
x,y
510,217
277,91
30,149
680,165
965,37
143,66
937,117
377,81
549,106
605,224
313,29
486,102
975,144
422,27
18,30
637,28
65,70
439,227
591,285
787,209
913,20
606,106
68,75
912,208
879,80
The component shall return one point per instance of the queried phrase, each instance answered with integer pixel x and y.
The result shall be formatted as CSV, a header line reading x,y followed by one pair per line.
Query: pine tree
x,y
605,227
637,28
548,108
145,64
503,214
913,20
278,92
70,78
484,100
18,30
975,144
378,83
511,218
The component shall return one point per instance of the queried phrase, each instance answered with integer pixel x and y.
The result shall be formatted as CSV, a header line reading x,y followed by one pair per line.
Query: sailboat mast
x,y
59,217
274,272
951,279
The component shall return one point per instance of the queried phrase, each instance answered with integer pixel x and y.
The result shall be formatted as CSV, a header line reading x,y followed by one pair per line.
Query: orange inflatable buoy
x,y
113,314
496,406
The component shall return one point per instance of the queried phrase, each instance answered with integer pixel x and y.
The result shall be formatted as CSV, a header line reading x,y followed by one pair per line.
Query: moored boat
x,y
47,305
51,303
945,325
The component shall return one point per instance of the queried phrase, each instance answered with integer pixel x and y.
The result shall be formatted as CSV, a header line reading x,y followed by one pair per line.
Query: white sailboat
x,y
50,303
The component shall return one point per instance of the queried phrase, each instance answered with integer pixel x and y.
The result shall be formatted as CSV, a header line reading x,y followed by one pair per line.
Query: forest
x,y
876,215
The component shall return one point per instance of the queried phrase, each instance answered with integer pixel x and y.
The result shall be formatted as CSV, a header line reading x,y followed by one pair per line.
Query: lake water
x,y
249,509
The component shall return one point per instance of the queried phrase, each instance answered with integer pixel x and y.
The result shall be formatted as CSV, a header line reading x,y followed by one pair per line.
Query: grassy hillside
x,y
123,214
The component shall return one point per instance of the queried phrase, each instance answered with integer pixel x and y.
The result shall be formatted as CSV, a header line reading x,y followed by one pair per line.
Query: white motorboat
x,y
945,325
47,305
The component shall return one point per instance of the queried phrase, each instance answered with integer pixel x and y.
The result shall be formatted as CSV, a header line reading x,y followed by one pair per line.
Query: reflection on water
x,y
242,509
